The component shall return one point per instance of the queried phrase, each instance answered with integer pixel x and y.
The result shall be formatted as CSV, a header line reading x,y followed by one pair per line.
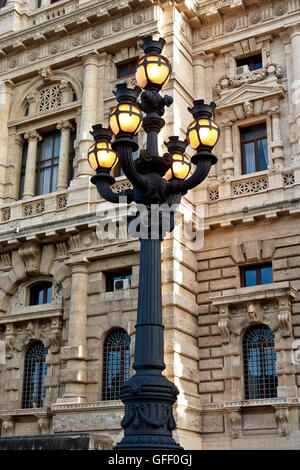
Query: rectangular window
x,y
256,275
47,163
254,145
3,3
253,62
23,168
127,69
118,280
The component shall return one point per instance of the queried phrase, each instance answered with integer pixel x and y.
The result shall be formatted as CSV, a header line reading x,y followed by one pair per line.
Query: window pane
x,y
266,275
250,277
253,132
263,154
249,158
56,145
23,169
44,182
54,179
46,144
49,295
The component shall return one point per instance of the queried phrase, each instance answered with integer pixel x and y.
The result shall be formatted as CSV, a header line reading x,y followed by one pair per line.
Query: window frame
x,y
108,394
44,286
28,376
264,382
52,165
249,61
255,140
111,275
132,63
258,268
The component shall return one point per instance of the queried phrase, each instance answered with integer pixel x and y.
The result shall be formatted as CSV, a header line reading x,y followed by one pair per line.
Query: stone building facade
x,y
59,62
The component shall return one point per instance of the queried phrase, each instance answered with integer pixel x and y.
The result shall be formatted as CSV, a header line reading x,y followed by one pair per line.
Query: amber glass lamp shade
x,y
125,118
180,168
203,133
101,155
153,71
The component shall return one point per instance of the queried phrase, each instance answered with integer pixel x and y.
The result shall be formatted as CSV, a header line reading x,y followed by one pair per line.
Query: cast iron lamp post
x,y
149,396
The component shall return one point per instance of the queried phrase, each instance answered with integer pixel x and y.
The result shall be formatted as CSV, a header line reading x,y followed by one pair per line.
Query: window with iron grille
x,y
3,3
116,363
35,370
259,363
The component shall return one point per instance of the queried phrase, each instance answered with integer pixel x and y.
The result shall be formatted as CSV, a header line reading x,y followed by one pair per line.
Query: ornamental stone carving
x,y
8,426
46,73
248,108
31,254
236,424
225,81
43,423
98,33
283,417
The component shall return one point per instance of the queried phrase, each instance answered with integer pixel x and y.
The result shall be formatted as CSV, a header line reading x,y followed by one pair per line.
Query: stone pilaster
x,y
29,183
65,128
6,90
276,143
89,110
294,33
199,76
75,353
228,163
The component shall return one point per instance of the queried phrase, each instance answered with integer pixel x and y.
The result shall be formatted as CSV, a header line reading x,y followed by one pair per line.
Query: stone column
x,y
294,33
16,172
199,76
29,183
75,375
89,110
102,74
6,90
228,163
65,128
33,103
210,78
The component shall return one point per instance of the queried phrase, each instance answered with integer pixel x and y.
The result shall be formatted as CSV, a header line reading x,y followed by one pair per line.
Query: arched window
x,y
259,363
116,363
41,293
35,369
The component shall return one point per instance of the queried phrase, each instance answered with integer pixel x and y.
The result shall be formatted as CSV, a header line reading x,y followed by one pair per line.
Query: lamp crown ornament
x,y
124,94
152,46
101,133
175,145
201,110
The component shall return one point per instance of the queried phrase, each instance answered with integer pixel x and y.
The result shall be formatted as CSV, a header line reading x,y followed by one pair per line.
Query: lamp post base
x,y
148,422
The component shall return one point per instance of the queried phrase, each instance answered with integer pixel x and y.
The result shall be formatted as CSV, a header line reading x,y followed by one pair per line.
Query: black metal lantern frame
x,y
149,396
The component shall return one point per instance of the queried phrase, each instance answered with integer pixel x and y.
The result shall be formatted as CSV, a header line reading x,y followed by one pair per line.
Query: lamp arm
x,y
124,148
105,191
201,172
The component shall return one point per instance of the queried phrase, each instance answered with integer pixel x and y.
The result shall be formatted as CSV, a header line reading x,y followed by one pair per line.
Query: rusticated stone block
x,y
210,387
212,422
73,376
73,352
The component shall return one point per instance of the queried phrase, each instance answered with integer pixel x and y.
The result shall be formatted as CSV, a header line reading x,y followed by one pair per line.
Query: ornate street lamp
x,y
149,396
